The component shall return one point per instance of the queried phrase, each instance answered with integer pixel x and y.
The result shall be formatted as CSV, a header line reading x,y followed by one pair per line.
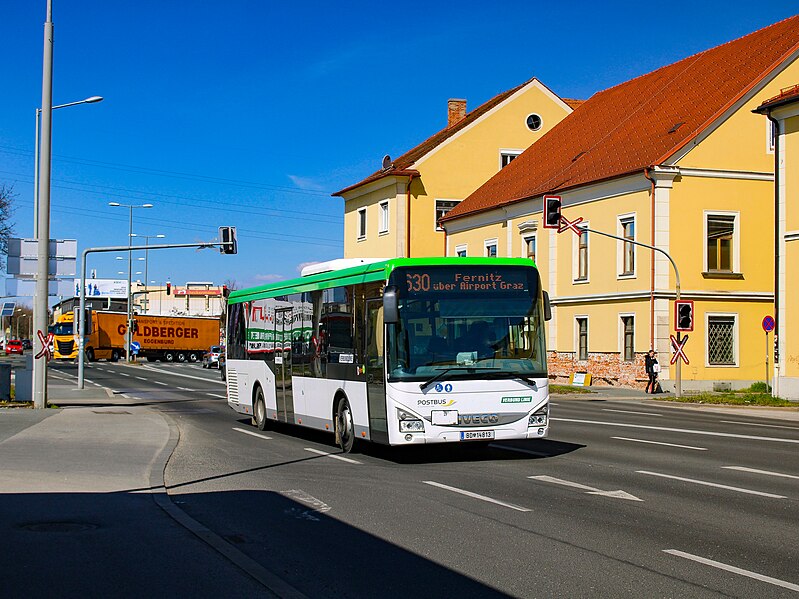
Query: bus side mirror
x,y
547,307
391,305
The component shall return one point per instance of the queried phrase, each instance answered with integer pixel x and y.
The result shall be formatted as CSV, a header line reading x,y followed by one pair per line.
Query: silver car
x,y
211,357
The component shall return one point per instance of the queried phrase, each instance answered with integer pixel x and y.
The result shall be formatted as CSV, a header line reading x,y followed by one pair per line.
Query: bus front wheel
x,y
345,430
259,410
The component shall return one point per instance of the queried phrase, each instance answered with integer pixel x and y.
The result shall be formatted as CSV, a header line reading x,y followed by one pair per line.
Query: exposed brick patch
x,y
604,368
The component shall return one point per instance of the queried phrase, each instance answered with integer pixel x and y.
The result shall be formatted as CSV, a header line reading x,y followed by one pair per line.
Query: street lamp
x,y
90,100
130,207
147,239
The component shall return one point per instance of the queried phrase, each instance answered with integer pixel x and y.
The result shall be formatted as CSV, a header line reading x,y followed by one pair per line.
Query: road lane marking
x,y
216,395
188,376
122,374
590,490
790,428
687,431
141,378
735,570
246,432
540,454
185,389
756,471
709,484
160,383
316,505
331,455
660,443
630,412
552,403
476,496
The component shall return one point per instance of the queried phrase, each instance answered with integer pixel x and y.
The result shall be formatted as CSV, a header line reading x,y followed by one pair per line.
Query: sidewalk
x,y
77,510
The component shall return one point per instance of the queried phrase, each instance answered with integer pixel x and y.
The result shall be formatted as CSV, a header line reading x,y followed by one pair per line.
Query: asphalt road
x,y
623,500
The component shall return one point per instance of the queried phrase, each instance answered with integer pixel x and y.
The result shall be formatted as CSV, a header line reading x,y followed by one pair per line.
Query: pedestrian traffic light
x,y
168,288
227,240
684,315
552,206
225,291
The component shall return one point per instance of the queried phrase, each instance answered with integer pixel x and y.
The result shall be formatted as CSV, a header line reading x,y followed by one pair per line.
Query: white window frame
x,y
620,246
736,342
435,211
736,240
507,152
384,217
577,319
462,248
770,136
488,243
622,316
362,234
576,258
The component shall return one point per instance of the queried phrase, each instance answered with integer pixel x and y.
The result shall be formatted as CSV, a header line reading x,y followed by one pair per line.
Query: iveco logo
x,y
466,419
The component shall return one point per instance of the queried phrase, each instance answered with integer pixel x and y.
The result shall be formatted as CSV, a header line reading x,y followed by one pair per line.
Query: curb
x,y
273,583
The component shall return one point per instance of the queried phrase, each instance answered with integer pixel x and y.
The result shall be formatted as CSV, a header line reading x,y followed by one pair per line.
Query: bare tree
x,y
7,196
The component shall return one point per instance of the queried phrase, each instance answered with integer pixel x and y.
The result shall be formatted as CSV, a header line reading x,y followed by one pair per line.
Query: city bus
x,y
402,351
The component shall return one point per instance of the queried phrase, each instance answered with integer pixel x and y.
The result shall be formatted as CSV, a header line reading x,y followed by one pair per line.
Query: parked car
x,y
211,357
223,366
14,346
27,344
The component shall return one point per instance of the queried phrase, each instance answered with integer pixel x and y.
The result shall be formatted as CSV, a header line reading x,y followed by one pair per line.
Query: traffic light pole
x,y
117,248
678,364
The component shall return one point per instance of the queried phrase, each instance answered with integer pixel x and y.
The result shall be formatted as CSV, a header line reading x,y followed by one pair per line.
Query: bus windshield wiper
x,y
515,375
439,375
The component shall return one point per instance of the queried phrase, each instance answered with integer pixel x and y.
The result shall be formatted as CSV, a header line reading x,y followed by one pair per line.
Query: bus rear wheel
x,y
345,430
259,410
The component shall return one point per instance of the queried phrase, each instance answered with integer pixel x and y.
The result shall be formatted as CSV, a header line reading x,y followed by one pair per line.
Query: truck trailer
x,y
165,338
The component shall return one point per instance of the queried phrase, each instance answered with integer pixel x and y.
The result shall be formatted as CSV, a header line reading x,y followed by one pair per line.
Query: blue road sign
x,y
8,309
135,347
768,324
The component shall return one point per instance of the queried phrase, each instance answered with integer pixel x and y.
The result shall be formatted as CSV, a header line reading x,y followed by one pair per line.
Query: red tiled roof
x,y
639,123
410,157
787,95
572,103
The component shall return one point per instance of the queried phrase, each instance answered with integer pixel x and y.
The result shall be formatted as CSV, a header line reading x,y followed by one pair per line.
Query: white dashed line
x,y
246,432
790,428
709,484
160,383
141,378
331,455
476,496
216,395
709,562
756,471
661,443
185,389
122,374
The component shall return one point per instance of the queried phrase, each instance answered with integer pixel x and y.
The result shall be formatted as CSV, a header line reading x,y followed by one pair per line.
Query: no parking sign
x,y
768,324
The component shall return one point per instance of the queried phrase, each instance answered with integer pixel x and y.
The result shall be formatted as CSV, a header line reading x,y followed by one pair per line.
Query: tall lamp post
x,y
147,239
128,331
90,100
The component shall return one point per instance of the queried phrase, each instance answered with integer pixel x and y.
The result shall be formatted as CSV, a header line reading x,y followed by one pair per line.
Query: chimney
x,y
456,111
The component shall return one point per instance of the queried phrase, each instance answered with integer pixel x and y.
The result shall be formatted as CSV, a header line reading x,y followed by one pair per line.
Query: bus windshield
x,y
469,322
62,328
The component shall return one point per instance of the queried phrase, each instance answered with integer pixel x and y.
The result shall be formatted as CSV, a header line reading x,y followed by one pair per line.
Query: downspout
x,y
408,218
776,124
651,262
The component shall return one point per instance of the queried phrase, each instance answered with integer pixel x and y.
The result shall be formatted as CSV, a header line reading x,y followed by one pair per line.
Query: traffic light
x,y
227,240
552,206
684,315
134,325
225,291
168,288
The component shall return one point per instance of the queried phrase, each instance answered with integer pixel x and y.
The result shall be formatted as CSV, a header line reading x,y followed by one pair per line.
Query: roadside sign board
x,y
103,288
768,324
8,309
135,346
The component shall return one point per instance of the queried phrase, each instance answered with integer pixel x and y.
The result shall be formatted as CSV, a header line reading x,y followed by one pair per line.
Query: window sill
x,y
713,274
361,238
580,282
626,275
381,233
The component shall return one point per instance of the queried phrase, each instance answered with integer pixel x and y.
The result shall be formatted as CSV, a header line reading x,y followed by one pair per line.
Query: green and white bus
x,y
401,352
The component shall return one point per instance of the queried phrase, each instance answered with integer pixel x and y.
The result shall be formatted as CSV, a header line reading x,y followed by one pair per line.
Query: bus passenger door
x,y
283,393
374,362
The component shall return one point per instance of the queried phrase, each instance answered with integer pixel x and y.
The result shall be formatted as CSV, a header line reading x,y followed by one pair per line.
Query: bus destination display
x,y
463,280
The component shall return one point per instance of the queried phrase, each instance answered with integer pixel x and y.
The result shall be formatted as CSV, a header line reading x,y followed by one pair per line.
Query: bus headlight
x,y
409,423
539,417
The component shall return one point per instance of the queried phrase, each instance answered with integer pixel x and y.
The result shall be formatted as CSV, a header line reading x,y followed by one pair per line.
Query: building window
x,y
491,248
460,251
721,340
582,338
362,223
442,207
720,246
628,249
507,156
628,327
534,122
529,247
383,217
771,131
582,257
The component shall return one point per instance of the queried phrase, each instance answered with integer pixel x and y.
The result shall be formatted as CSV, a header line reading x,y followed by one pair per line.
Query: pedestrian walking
x,y
652,368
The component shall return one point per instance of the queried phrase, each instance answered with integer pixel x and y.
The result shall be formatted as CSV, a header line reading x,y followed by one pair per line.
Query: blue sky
x,y
251,113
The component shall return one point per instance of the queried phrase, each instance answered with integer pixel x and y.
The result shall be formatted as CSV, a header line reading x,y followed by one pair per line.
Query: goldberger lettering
x,y
179,332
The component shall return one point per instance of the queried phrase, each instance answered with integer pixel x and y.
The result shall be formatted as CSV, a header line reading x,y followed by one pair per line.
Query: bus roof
x,y
364,273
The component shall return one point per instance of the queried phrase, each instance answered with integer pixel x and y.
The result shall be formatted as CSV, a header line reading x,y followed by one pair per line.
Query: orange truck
x,y
165,338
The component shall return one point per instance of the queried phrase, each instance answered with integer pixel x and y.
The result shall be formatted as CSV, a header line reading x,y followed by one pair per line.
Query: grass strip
x,y
566,389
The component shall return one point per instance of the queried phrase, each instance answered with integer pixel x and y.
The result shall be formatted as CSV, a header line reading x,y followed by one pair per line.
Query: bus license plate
x,y
477,435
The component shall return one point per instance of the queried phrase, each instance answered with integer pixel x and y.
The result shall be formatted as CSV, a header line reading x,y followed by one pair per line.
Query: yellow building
x,y
783,111
675,159
394,212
